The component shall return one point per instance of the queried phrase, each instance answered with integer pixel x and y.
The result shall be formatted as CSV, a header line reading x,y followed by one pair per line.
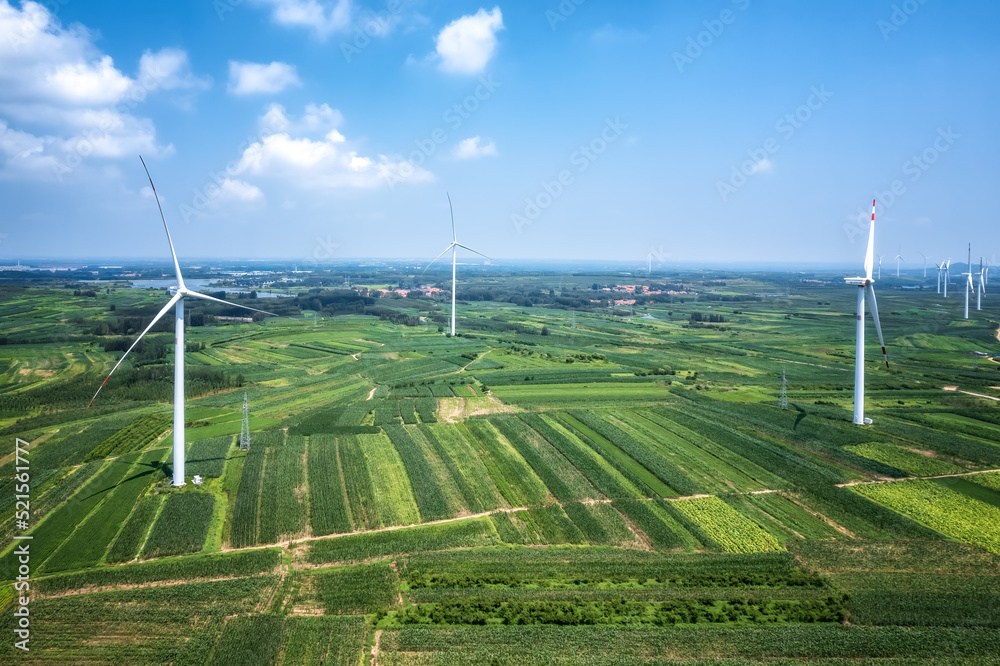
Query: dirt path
x,y
484,354
287,543
378,639
371,394
954,389
909,478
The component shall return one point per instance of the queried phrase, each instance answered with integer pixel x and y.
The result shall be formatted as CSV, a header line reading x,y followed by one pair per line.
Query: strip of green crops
x,y
282,504
724,527
327,505
181,526
359,547
603,646
215,565
89,542
940,508
430,500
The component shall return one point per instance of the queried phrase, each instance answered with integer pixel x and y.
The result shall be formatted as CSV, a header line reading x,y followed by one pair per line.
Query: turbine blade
x,y
873,306
436,258
178,296
177,266
471,250
454,234
195,294
869,256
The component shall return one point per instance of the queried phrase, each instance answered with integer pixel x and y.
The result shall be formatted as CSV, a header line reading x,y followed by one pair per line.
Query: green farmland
x,y
562,483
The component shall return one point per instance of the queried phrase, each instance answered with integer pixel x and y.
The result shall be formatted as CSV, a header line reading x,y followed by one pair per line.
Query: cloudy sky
x,y
722,130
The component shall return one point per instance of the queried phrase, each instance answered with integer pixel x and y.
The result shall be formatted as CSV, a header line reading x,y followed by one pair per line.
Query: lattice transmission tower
x,y
783,400
245,428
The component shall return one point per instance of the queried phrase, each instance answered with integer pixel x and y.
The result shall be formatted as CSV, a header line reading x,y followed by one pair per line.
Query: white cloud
x,y
467,44
64,102
330,161
169,69
236,190
317,119
323,18
248,78
473,147
762,166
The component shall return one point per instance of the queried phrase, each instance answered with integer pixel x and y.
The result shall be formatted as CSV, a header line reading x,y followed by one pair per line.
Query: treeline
x,y
625,611
697,317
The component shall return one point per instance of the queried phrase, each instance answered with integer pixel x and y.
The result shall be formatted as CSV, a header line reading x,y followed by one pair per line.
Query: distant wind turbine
x,y
177,302
454,248
940,271
866,291
649,264
898,259
968,282
925,263
982,285
947,276
880,267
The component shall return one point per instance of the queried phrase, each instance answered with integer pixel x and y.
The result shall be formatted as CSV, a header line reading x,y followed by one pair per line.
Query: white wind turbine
x,y
880,267
947,276
898,259
177,302
982,285
454,248
940,270
968,282
925,263
865,292
649,264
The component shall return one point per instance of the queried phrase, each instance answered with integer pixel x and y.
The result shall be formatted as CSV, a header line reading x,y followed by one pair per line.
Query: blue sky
x,y
718,131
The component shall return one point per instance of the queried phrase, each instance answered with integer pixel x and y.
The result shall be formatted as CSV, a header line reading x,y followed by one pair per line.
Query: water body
x,y
199,285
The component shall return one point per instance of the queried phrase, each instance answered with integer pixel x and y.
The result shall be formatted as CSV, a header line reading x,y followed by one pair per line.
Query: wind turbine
x,y
898,259
454,248
176,301
982,285
968,283
940,270
947,276
925,263
649,264
866,291
880,267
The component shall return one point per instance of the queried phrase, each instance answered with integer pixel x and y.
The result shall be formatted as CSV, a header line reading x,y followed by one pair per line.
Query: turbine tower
x,y
176,301
649,264
925,263
866,291
940,271
880,267
982,285
947,276
454,248
898,259
968,282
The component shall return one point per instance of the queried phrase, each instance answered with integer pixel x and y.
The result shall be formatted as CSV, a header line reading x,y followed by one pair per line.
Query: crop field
x,y
941,508
181,526
561,483
717,523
